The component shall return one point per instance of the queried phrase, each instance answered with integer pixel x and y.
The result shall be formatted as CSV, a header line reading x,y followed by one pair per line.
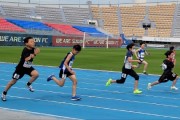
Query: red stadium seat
x,y
7,26
65,29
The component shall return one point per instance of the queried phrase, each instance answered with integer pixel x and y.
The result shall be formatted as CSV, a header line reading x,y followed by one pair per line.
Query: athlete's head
x,y
169,54
29,42
171,48
130,46
76,49
142,44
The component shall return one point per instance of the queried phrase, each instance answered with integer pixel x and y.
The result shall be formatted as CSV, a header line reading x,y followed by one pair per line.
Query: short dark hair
x,y
130,46
26,40
171,48
77,47
168,53
141,43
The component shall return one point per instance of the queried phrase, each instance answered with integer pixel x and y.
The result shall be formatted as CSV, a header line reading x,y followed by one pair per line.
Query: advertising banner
x,y
67,41
14,39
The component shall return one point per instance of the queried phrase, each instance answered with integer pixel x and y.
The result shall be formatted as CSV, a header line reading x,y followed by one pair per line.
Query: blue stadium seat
x,y
30,24
91,31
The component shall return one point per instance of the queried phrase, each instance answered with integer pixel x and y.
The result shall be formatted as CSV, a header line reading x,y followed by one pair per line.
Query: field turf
x,y
89,58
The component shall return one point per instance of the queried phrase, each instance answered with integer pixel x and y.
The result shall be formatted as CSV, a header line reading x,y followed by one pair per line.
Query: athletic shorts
x,y
64,73
131,72
20,71
167,76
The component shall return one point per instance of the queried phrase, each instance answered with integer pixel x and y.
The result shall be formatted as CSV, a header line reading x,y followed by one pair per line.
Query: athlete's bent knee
x,y
136,77
162,81
121,81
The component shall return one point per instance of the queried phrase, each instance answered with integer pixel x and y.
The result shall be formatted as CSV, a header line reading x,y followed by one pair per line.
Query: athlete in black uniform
x,y
24,66
128,70
167,75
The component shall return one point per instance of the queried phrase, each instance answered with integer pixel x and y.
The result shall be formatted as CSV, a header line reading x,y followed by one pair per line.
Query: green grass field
x,y
89,58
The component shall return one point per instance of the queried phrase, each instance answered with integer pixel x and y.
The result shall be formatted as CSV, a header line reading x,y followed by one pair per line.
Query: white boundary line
x,y
105,98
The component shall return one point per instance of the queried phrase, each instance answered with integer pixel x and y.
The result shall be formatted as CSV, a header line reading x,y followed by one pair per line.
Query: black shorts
x,y
167,76
131,72
20,71
64,73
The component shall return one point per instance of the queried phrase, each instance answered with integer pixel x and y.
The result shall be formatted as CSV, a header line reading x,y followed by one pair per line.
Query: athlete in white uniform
x,y
140,54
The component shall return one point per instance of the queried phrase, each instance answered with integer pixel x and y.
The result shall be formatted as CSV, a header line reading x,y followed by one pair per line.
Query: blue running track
x,y
98,101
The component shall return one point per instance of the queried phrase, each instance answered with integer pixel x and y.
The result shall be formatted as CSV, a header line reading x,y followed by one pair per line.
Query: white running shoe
x,y
174,88
149,86
30,88
3,97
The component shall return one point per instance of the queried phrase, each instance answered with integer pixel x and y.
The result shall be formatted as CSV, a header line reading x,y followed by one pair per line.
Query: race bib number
x,y
164,66
123,75
27,64
16,76
70,64
128,65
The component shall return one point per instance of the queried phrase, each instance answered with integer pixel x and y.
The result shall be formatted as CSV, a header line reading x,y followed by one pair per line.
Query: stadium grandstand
x,y
90,22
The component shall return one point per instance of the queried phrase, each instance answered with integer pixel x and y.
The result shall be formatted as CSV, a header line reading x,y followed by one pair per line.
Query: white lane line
x,y
110,91
80,69
106,98
98,107
117,85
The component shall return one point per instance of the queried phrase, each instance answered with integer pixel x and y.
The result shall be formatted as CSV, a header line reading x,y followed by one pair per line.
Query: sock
x,y
28,84
4,92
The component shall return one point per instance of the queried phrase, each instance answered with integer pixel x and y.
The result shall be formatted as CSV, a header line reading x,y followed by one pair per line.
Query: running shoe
x,y
75,98
108,83
3,97
174,88
30,88
137,91
145,73
50,78
149,86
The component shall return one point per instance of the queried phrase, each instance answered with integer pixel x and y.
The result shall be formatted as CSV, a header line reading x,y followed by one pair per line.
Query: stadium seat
x,y
76,15
30,25
91,31
65,29
7,26
109,16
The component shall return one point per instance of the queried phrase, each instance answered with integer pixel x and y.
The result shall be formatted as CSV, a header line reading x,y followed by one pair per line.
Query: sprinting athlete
x,y
140,54
167,75
127,69
24,66
66,71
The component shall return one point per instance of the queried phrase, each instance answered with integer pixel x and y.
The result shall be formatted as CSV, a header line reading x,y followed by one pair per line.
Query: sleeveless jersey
x,y
127,64
70,62
141,54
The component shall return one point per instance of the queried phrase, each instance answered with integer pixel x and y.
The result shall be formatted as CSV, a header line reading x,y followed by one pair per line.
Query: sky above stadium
x,y
83,1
